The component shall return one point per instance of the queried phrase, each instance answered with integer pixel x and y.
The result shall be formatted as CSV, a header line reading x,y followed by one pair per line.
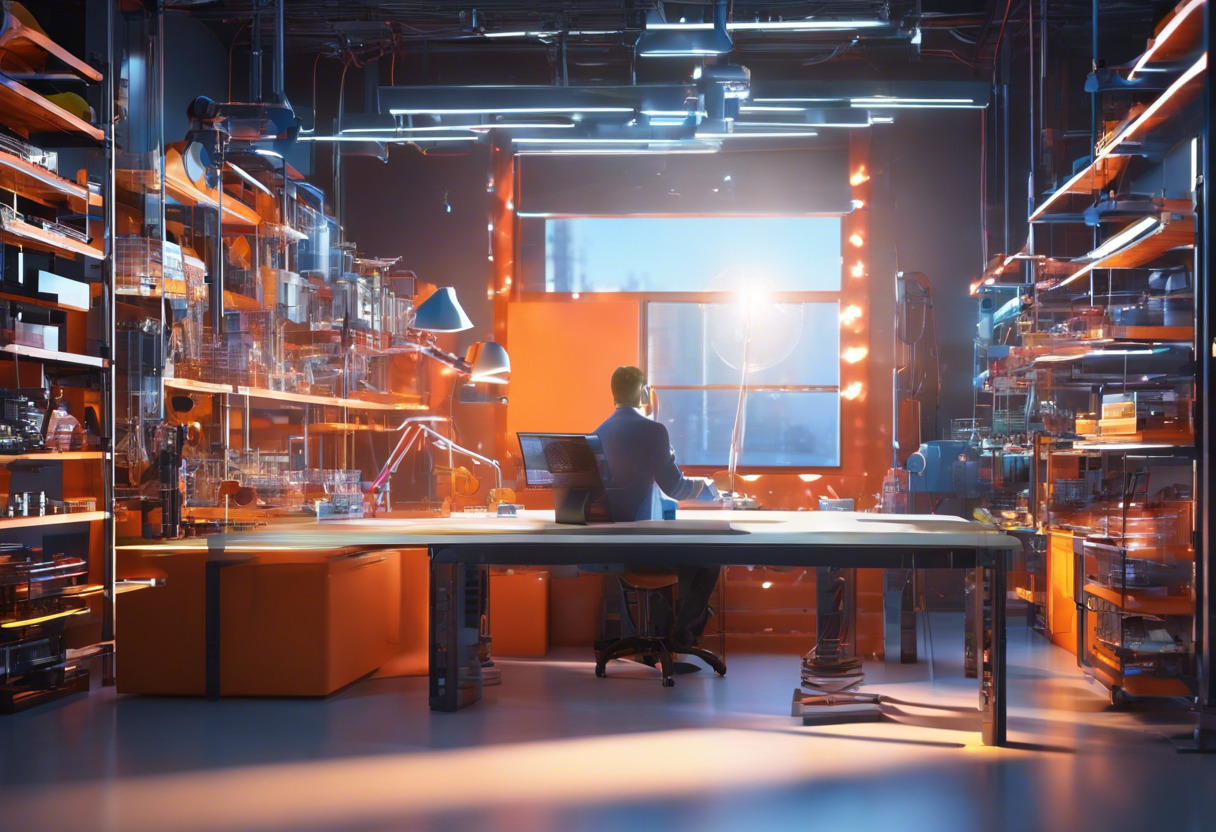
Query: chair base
x,y
654,651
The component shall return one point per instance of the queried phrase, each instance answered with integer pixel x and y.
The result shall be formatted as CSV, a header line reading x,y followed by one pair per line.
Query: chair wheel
x,y
669,683
600,671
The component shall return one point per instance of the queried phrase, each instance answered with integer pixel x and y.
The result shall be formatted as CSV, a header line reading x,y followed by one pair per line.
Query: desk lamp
x,y
441,312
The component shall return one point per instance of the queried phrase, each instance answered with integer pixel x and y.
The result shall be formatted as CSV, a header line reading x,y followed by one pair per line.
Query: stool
x,y
639,583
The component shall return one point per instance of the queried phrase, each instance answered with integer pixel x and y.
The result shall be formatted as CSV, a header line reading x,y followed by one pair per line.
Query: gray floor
x,y
554,748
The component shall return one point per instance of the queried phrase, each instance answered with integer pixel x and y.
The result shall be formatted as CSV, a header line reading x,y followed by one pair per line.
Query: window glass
x,y
703,344
692,254
781,428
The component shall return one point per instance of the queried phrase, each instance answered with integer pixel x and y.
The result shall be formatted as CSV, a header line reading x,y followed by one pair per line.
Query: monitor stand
x,y
578,506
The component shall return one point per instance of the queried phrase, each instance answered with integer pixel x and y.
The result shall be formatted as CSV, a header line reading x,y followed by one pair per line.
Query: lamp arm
x,y
404,444
454,361
471,454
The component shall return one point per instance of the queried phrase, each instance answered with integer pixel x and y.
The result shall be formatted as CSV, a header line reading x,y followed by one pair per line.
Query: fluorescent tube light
x,y
248,179
1199,66
1165,35
594,141
881,102
784,134
612,151
1124,237
467,111
771,26
802,25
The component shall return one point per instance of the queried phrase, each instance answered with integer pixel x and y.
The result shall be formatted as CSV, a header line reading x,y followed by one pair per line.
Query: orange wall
x,y
562,358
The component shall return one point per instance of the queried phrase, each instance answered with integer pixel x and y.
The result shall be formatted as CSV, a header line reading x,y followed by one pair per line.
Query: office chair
x,y
638,584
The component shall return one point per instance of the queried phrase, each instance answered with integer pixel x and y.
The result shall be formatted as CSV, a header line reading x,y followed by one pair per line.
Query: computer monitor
x,y
574,467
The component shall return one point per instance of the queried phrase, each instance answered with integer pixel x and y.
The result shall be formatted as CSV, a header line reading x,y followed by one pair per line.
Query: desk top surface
x,y
742,529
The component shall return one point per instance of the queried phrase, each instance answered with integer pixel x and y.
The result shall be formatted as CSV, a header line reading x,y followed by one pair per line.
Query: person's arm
x,y
667,473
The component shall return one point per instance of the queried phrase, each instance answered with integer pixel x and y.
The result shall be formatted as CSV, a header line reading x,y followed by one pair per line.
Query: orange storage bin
x,y
519,612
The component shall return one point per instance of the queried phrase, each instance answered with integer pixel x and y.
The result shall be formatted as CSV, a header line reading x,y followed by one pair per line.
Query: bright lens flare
x,y
850,314
856,240
749,477
810,477
854,354
860,177
766,585
852,391
858,269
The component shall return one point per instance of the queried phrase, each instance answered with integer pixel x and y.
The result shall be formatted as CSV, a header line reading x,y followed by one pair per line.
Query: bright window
x,y
691,254
694,357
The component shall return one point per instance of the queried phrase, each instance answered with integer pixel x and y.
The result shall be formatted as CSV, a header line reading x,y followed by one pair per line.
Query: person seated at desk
x,y
641,463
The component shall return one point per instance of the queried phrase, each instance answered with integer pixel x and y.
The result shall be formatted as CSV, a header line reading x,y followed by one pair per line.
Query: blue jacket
x,y
640,463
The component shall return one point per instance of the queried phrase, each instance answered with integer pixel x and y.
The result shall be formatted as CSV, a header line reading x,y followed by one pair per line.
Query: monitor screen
x,y
560,460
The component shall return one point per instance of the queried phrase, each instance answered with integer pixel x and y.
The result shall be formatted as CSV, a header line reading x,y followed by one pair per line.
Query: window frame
x,y
647,298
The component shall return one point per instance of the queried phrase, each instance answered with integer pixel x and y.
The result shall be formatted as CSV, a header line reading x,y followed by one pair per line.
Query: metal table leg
x,y
991,638
457,605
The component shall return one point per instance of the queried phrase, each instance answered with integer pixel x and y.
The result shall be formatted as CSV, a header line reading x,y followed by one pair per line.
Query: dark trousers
x,y
695,586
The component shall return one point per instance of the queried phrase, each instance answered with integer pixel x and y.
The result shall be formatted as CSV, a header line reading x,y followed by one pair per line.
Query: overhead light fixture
x,y
399,139
593,141
802,25
783,134
441,312
559,123
675,149
768,108
884,102
472,111
686,40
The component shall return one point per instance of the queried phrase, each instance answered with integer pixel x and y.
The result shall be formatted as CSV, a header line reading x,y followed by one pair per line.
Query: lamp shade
x,y
490,363
441,312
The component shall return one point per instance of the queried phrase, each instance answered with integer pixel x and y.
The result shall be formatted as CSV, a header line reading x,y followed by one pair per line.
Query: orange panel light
x,y
860,177
854,354
858,269
850,314
852,391
856,240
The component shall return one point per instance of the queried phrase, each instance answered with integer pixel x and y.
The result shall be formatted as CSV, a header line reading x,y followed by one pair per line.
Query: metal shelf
x,y
1114,154
44,457
53,519
54,356
36,183
28,111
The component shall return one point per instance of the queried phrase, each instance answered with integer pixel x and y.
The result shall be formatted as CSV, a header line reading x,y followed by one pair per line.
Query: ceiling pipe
x,y
279,52
255,56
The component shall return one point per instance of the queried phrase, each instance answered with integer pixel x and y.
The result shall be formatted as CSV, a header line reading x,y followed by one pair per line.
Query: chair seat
x,y
649,578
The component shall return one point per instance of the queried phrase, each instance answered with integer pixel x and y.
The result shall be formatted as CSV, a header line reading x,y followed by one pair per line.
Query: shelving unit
x,y
1100,339
57,582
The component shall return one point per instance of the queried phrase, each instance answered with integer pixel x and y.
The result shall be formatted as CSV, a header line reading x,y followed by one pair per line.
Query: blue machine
x,y
944,466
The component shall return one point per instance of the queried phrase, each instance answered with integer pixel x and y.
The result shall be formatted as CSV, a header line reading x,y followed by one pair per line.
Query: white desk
x,y
460,545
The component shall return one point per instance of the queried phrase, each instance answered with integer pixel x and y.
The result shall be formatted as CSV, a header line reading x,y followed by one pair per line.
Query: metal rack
x,y
57,577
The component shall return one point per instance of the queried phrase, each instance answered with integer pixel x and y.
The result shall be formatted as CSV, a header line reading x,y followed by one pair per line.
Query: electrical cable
x,y
231,47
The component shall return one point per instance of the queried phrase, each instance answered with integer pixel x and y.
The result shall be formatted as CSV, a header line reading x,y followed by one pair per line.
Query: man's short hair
x,y
627,384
